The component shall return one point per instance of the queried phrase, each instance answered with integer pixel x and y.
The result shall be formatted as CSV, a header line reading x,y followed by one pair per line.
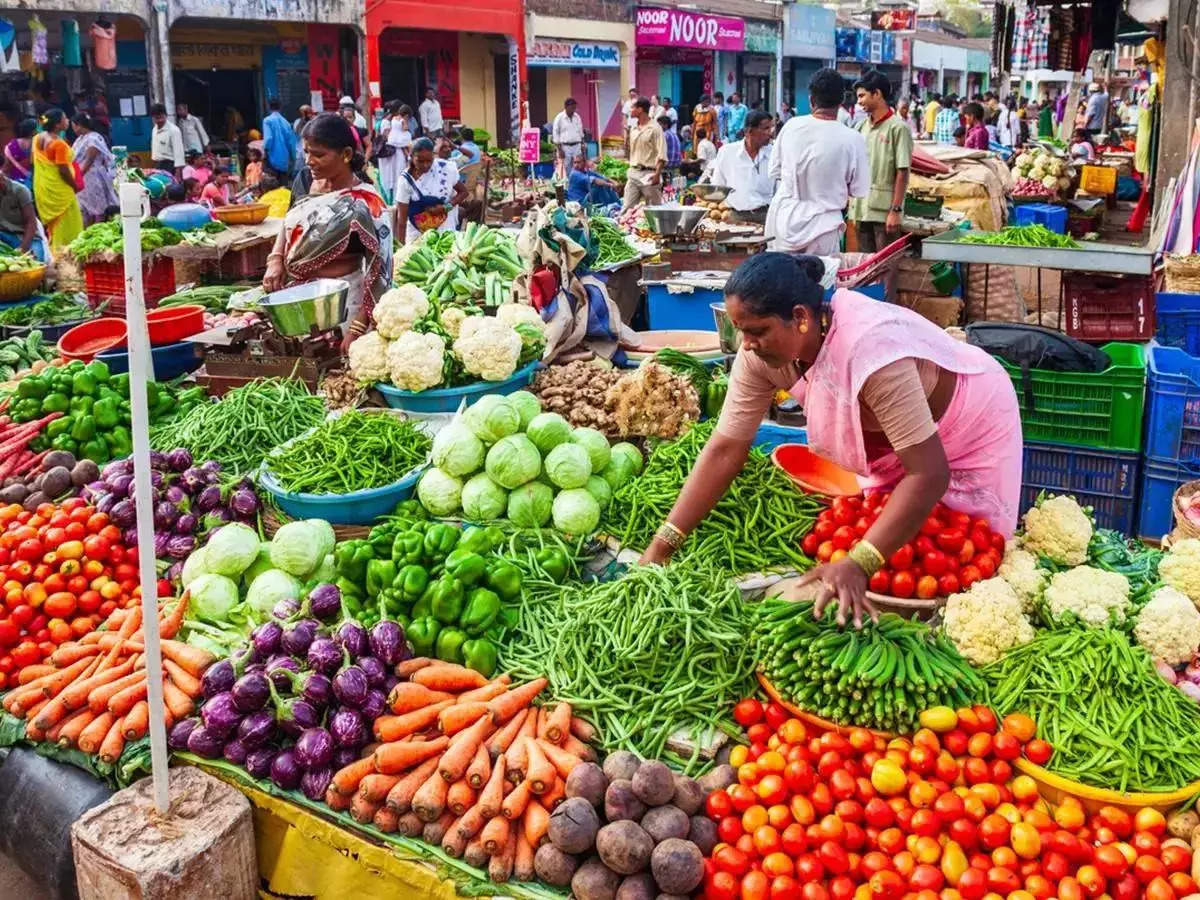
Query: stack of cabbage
x,y
1041,167
507,458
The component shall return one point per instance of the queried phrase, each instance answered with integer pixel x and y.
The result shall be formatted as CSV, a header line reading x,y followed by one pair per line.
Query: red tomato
x,y
1147,868
793,840
1181,883
809,868
1159,889
950,540
985,564
926,878
861,525
843,538
878,814
903,585
844,511
775,715
934,563
948,584
732,860
902,558
1110,861
886,885
718,805
968,575
931,526
22,615
1038,752
824,529
1176,858
927,587
25,654
812,891
881,581
810,543
783,887
60,605
9,632
748,712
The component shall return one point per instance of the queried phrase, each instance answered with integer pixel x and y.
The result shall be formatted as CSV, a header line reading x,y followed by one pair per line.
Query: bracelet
x,y
670,535
357,327
867,557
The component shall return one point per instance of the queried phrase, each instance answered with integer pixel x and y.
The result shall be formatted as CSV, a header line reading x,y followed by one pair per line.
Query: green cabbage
x,y
457,451
491,418
595,444
483,499
576,511
547,431
261,563
529,505
512,461
568,466
526,405
326,573
231,549
212,597
300,547
193,567
618,471
624,448
268,589
439,492
600,489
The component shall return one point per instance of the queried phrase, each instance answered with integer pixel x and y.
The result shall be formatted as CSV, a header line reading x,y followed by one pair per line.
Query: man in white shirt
x,y
745,165
671,113
430,113
627,109
166,142
194,135
567,133
819,165
347,102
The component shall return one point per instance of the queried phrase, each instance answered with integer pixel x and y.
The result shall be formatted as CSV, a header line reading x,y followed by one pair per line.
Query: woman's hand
x,y
273,279
351,336
845,582
657,554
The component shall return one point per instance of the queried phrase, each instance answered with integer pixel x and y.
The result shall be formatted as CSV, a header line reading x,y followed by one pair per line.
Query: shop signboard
x,y
853,43
876,47
530,145
889,46
553,52
894,20
762,37
681,28
808,31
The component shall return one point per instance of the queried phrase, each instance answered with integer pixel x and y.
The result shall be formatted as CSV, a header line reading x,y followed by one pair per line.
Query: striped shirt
x,y
945,125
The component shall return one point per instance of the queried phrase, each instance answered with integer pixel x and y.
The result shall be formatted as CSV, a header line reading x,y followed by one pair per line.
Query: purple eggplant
x,y
158,459
324,656
205,743
244,502
376,671
186,524
193,480
343,756
180,546
124,513
175,571
258,761
350,686
179,459
256,729
120,485
117,467
266,639
347,728
210,467
314,748
285,609
387,642
353,637
220,715
316,688
207,500
157,480
278,668
161,539
218,677
106,503
178,496
325,601
130,536
178,738
390,682
294,714
251,692
165,514
235,752
285,771
315,782
298,636
375,705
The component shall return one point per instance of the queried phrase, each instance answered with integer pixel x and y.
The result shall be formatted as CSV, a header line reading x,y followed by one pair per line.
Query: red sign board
x,y
894,20
324,64
439,50
531,142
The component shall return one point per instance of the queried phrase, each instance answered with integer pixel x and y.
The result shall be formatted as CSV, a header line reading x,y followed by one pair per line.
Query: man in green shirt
x,y
889,155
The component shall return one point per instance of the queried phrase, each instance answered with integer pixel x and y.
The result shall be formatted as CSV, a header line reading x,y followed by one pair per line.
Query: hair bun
x,y
810,265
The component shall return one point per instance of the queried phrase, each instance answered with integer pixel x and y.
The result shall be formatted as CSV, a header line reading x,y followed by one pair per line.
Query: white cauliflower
x,y
1168,627
1181,568
415,360
399,309
1020,569
1059,529
451,319
513,314
1050,182
368,358
986,621
1098,598
1024,160
488,348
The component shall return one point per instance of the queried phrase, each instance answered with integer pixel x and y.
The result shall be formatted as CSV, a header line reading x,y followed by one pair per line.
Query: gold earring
x,y
804,328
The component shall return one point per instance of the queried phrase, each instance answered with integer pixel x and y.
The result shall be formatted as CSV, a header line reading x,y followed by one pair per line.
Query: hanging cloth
x,y
72,55
9,61
39,53
104,46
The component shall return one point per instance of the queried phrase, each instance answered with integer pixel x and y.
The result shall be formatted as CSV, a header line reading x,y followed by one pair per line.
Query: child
x,y
1081,146
191,190
218,191
960,135
278,198
254,168
197,167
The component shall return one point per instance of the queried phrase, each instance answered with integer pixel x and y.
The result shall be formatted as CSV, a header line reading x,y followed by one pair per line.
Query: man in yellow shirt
x,y
647,157
932,108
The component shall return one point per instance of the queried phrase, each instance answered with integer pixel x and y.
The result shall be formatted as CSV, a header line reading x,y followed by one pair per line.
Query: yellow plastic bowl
x,y
1054,788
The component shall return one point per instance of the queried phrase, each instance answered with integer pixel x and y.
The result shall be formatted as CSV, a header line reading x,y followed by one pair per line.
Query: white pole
x,y
133,197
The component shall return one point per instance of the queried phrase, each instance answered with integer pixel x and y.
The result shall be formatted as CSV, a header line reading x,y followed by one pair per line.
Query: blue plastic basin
x,y
357,508
448,399
170,360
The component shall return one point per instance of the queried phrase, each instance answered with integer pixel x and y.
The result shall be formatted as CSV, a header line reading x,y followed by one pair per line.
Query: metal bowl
x,y
296,311
729,335
677,220
712,193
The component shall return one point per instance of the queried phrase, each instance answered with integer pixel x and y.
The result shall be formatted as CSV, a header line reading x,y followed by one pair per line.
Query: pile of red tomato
x,y
951,552
938,816
63,569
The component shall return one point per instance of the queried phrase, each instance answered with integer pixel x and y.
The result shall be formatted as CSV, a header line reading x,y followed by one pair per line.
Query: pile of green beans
x,y
245,425
611,246
756,527
1021,236
354,452
659,650
1113,721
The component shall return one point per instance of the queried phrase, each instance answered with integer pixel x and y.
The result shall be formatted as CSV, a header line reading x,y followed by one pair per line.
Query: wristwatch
x,y
897,209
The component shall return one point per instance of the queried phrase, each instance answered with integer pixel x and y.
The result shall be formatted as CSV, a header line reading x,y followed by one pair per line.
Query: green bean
x,y
1021,236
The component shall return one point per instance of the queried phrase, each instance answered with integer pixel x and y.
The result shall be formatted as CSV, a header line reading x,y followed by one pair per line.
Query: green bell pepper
x,y
410,509
81,405
57,427
554,563
423,634
440,539
29,409
75,365
352,592
408,548
411,581
119,441
380,538
465,565
120,384
504,578
475,540
83,383
53,403
447,600
392,602
105,413
449,645
496,535
96,450
98,370
40,443
64,442
350,559
480,654
379,575
32,387
424,605
482,609
84,428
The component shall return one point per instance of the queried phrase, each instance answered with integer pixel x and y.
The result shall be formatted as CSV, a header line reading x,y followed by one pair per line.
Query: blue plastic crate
x,y
1172,404
1160,479
1178,321
1106,481
771,435
1053,217
681,310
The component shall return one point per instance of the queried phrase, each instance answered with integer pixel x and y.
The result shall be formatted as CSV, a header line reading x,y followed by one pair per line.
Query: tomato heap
x,y
951,552
64,568
940,816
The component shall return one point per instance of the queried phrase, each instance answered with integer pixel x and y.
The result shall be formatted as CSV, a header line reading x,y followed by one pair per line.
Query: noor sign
x,y
679,28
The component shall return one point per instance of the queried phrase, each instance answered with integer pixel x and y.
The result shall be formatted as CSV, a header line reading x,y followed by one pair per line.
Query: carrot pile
x,y
92,694
466,763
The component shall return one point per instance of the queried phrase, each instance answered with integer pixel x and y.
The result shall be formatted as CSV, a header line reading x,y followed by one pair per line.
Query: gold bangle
x,y
670,535
357,327
867,557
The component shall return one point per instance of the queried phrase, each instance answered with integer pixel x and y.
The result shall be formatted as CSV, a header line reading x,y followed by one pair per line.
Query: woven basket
x,y
1183,274
1183,526
274,519
19,285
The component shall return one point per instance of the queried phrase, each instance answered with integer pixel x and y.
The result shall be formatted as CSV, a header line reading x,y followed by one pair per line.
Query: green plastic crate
x,y
1101,409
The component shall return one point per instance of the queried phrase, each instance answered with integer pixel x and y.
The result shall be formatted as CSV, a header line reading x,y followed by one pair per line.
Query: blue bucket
x,y
448,399
356,508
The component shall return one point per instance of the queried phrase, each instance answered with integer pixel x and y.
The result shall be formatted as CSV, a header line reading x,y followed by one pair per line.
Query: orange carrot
x,y
185,681
53,731
191,659
543,714
508,704
558,725
363,810
374,787
51,714
68,735
410,825
495,834
471,822
178,703
392,728
76,695
122,702
98,699
385,820
95,732
433,832
514,804
14,699
492,794
563,761
448,677
493,688
400,796
556,795
53,683
502,739
429,802
31,673
518,760
137,720
169,625
454,719
405,669
540,770
114,741
400,756
523,859
474,854
336,800
453,842
582,730
69,653
462,749
479,769
407,697
537,820
460,797
500,866
576,747
347,779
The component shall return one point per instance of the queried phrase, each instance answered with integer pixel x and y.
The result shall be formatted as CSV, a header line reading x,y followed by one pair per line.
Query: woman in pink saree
x,y
887,394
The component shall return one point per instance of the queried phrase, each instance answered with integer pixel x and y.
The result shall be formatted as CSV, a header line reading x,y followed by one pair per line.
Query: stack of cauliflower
x,y
1043,166
409,344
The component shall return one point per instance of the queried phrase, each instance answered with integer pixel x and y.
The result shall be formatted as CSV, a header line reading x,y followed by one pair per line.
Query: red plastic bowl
x,y
814,474
86,340
174,323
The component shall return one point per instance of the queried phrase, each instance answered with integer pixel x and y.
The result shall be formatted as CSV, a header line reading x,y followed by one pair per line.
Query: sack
x,y
1031,347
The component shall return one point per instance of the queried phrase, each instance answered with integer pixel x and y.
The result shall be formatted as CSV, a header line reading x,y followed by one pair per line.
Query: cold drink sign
x,y
679,28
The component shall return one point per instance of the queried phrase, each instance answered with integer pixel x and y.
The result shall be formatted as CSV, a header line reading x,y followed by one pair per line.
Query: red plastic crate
x,y
1106,308
106,281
